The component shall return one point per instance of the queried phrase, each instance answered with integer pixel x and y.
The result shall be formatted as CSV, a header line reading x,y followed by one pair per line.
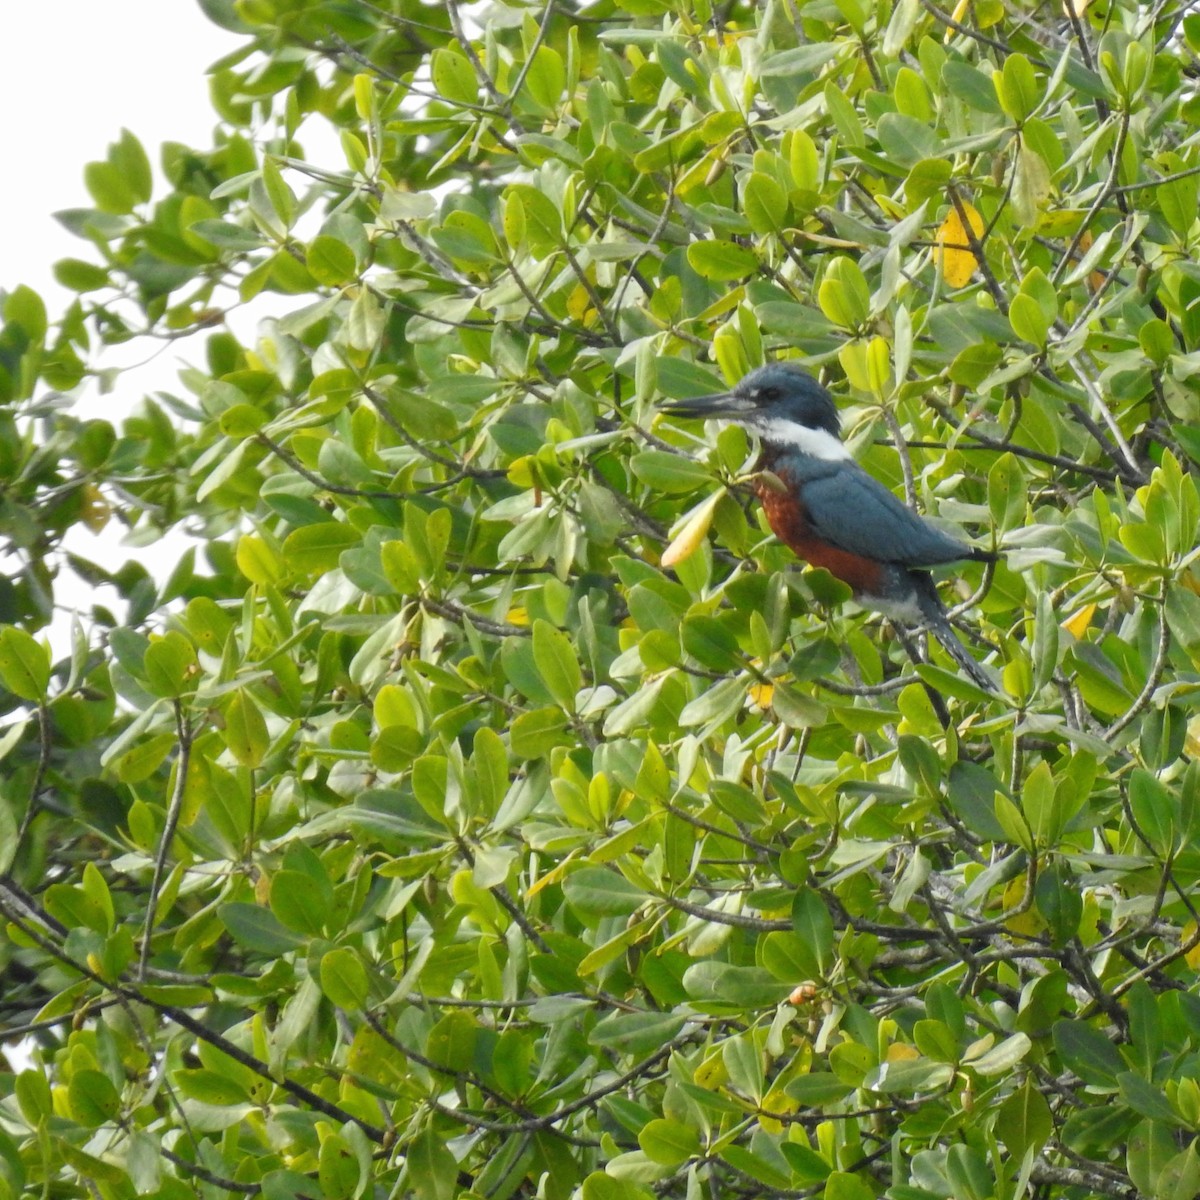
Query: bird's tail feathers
x,y
934,613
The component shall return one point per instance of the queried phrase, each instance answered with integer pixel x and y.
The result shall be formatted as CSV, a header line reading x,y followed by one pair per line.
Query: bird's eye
x,y
769,393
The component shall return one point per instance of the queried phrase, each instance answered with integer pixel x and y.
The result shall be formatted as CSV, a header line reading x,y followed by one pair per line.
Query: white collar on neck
x,y
817,443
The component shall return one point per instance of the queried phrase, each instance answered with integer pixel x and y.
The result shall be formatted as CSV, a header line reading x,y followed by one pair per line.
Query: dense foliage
x,y
423,835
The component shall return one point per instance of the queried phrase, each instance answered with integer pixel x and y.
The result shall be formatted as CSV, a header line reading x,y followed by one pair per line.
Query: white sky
x,y
75,72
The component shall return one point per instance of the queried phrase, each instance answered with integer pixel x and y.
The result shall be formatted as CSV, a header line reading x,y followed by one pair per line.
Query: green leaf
x,y
710,642
340,1171
453,77
843,294
968,1172
1006,492
143,759
211,1087
971,86
764,203
1156,810
804,161
556,662
92,1098
257,929
108,188
432,1169
546,78
1028,320
1031,188
168,664
246,731
532,217
909,140
795,709
364,326
739,987
24,307
315,549
1146,1099
130,160
596,892
242,421
935,1040
818,1087
1003,1057
1058,897
635,1032
75,908
279,195
32,1091
344,978
757,1167
331,261
1024,1121
299,902
534,734
1177,200
227,235
669,1142
290,1185
813,924
24,664
666,472
1088,1053
1016,87
721,261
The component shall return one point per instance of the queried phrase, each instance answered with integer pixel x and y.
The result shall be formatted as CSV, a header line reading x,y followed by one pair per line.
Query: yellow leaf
x,y
960,11
95,510
711,1073
954,257
1077,624
258,560
901,1052
552,876
776,1104
692,530
522,472
1026,923
579,303
761,694
1192,957
1095,281
518,616
1191,742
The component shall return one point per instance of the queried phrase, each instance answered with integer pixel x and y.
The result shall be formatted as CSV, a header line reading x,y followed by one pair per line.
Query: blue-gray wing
x,y
855,512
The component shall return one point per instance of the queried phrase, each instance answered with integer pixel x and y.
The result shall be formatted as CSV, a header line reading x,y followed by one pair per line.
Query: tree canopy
x,y
488,805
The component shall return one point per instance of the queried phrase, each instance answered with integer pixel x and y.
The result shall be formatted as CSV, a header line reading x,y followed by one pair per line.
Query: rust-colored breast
x,y
789,521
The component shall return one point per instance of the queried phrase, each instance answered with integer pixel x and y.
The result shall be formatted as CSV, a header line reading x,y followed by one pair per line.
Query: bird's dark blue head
x,y
781,402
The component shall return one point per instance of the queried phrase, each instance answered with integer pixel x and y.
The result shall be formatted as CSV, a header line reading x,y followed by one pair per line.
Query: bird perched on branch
x,y
830,512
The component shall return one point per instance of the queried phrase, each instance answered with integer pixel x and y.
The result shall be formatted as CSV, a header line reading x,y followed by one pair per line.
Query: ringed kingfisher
x,y
830,512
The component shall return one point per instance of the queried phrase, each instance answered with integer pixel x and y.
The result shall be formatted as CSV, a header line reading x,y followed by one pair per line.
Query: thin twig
x,y
39,775
459,613
1156,670
174,808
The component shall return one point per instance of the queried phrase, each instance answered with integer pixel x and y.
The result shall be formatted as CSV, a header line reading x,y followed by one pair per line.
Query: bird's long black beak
x,y
724,404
